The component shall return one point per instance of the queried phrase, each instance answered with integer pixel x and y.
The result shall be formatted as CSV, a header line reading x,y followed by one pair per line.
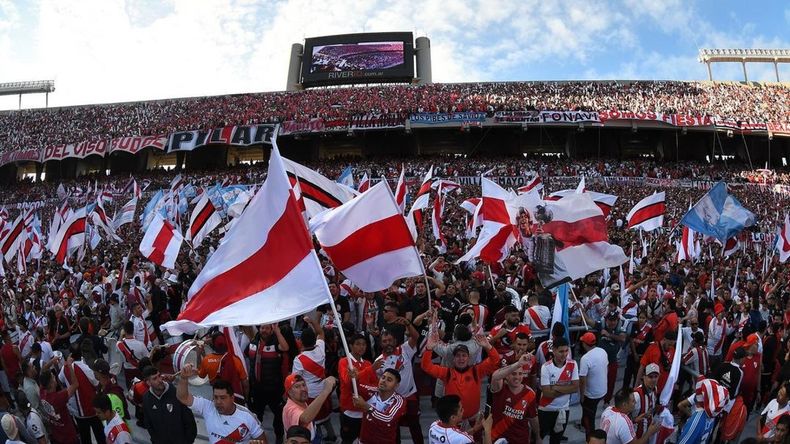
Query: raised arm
x,y
499,375
319,332
182,388
309,414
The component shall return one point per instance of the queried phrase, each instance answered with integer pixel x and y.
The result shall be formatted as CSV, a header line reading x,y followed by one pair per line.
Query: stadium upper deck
x,y
37,128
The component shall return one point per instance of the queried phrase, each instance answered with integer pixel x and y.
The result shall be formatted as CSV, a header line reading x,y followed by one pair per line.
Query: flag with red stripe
x,y
783,241
15,235
317,192
204,219
535,184
401,190
266,269
648,213
364,183
161,242
70,236
730,247
368,240
604,201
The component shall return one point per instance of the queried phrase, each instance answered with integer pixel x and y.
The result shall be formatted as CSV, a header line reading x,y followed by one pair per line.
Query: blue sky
x,y
101,51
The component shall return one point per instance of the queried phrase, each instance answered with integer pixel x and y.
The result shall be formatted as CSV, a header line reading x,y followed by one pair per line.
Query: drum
x,y
189,352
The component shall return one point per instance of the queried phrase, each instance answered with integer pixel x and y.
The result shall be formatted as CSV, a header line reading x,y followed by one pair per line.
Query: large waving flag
x,y
604,201
70,236
161,242
100,219
265,271
648,213
535,184
203,220
577,229
316,191
421,201
368,240
783,241
718,214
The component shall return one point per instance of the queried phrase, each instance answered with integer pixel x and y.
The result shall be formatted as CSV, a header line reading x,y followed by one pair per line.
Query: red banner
x,y
671,119
779,129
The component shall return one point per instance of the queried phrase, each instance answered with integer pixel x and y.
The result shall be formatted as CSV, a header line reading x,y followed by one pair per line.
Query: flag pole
x,y
581,307
339,322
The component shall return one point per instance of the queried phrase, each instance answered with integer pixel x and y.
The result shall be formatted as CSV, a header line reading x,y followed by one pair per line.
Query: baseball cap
x,y
9,426
479,275
718,308
298,431
652,368
101,366
460,348
588,338
615,287
752,339
292,379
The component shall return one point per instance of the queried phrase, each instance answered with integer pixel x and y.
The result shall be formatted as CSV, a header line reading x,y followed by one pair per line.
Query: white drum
x,y
189,352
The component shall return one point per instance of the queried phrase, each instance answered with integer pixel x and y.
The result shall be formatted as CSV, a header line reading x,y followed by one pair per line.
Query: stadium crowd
x,y
83,355
37,128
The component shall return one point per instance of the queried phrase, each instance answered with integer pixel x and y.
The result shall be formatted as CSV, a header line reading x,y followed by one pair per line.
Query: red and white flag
x,y
100,219
368,240
472,206
204,219
783,241
436,222
422,200
535,184
445,186
498,211
648,213
14,236
364,183
264,263
730,247
401,190
232,340
578,227
70,236
161,242
316,191
604,201
688,249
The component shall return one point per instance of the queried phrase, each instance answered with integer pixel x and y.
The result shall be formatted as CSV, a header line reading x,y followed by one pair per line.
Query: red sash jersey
x,y
380,425
530,368
653,356
645,404
365,375
86,390
503,344
511,413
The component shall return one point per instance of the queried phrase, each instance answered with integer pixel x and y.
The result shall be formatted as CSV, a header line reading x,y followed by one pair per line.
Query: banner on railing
x,y
517,117
230,135
378,121
136,143
75,150
32,155
568,117
779,129
649,116
302,126
440,118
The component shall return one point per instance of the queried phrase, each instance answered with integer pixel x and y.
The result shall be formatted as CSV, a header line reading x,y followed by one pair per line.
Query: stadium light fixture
x,y
28,87
744,56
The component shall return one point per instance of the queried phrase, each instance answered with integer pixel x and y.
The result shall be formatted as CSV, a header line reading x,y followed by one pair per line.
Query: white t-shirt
x,y
550,374
594,365
400,360
618,426
138,349
439,434
240,427
772,414
318,356
34,425
117,432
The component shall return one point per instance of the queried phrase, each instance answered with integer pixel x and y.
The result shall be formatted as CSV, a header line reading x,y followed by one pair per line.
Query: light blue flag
x,y
347,177
560,312
718,214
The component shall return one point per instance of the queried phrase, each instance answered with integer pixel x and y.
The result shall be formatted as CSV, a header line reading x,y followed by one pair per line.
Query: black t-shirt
x,y
341,304
447,313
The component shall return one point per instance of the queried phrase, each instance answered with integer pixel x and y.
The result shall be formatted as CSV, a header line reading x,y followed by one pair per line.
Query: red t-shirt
x,y
512,413
653,356
55,413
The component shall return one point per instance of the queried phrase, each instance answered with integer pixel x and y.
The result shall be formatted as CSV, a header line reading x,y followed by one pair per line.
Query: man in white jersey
x,y
310,364
115,429
559,377
225,420
617,424
446,430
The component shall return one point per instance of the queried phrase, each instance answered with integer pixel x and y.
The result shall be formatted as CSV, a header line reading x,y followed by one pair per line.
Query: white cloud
x,y
117,50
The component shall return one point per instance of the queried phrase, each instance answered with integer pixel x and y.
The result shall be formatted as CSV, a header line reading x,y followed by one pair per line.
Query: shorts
x,y
696,429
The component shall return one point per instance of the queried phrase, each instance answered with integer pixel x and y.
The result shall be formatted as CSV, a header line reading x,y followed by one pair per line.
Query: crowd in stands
x,y
83,357
37,128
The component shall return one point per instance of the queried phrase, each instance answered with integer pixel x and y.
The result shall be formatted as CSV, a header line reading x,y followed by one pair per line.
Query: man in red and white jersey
x,y
617,424
515,404
382,409
398,355
536,316
82,400
696,357
310,364
446,430
645,400
558,379
226,421
115,429
363,372
718,330
524,345
505,333
132,350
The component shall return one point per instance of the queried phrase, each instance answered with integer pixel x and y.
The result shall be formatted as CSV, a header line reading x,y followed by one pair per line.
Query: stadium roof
x,y
744,55
35,86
